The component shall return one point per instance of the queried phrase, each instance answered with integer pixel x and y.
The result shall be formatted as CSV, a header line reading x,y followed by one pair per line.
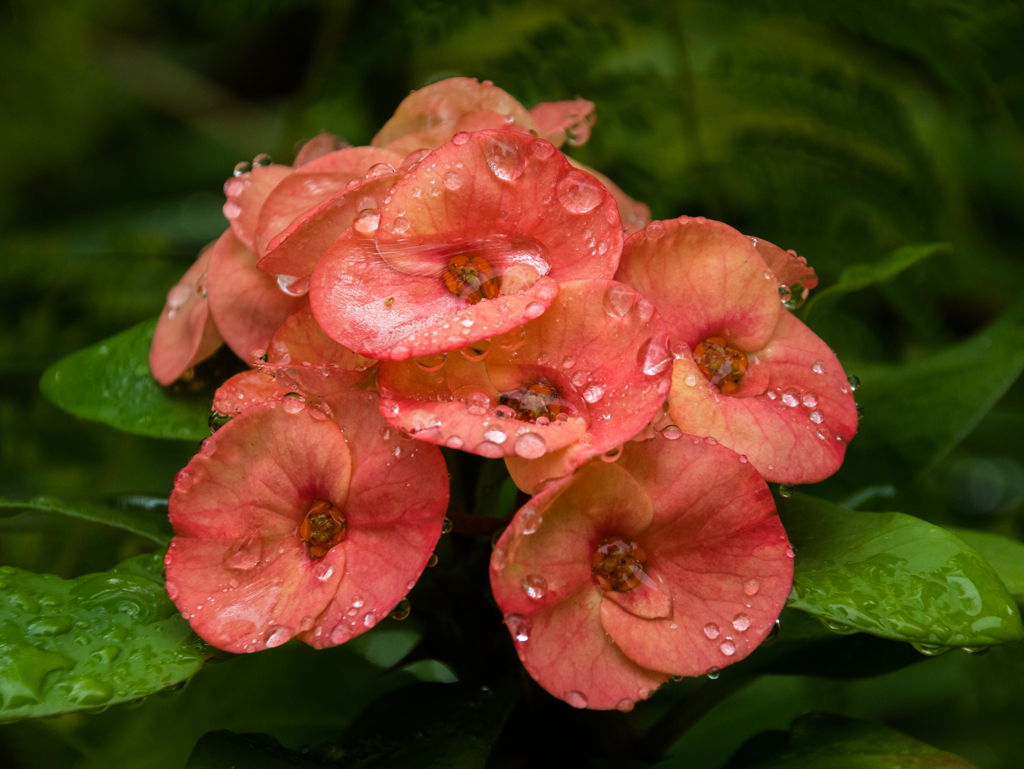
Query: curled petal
x,y
309,189
790,270
433,111
236,567
431,138
559,120
320,145
248,305
185,334
795,427
705,278
246,194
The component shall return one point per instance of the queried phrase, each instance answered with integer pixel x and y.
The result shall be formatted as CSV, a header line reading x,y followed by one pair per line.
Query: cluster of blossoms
x,y
462,283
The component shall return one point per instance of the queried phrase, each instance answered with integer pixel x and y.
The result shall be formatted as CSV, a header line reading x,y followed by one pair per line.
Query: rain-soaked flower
x,y
669,562
289,524
747,372
470,243
582,378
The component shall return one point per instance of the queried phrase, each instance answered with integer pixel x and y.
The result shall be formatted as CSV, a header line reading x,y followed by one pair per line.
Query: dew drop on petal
x,y
818,367
576,699
495,435
593,392
503,158
380,169
277,637
690,380
790,398
854,381
711,631
401,610
460,138
323,571
713,673
579,378
741,622
534,310
654,230
728,648
478,403
519,626
579,193
625,705
672,433
810,400
543,149
369,619
232,210
453,180
535,586
785,490
530,446
400,225
816,417
366,221
751,586
293,403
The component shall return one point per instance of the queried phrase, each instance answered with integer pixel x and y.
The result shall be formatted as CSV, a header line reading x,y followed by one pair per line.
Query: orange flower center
x,y
323,527
723,365
535,401
471,278
618,564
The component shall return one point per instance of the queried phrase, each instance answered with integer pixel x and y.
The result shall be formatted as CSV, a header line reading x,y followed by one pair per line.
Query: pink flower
x,y
669,562
582,378
470,243
288,524
748,372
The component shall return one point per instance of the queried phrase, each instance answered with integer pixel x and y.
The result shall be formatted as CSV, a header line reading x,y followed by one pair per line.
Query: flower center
x,y
471,278
618,564
539,400
722,364
323,527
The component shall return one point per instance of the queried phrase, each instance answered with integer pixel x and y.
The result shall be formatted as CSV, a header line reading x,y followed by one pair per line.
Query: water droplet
x,y
432,362
503,158
542,149
323,571
654,230
741,622
751,586
713,673
243,167
672,433
495,435
534,310
931,650
579,193
519,626
432,561
710,441
366,221
690,380
625,705
854,381
785,294
512,340
860,412
530,446
478,403
711,631
785,490
728,648
293,286
460,138
816,417
380,169
402,610
743,458
477,351
293,403
369,619
593,392
530,518
535,586
183,480
339,634
447,526
576,699
791,398
818,367
837,627
454,442
400,225
810,400
277,637
453,180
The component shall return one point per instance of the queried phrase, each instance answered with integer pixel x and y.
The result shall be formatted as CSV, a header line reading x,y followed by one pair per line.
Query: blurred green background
x,y
845,130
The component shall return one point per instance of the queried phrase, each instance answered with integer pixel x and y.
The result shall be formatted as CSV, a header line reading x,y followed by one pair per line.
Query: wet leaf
x,y
146,518
820,739
110,382
100,639
447,726
895,576
855,277
1004,555
223,749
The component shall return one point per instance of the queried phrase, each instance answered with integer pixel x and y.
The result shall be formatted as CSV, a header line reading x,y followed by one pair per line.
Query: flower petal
x,y
634,214
558,120
185,333
716,543
790,270
246,194
705,278
247,304
793,429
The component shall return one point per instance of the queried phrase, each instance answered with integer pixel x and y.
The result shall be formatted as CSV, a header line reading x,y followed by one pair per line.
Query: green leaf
x,y
1004,555
442,726
855,277
224,749
895,576
100,639
821,739
110,382
916,413
133,514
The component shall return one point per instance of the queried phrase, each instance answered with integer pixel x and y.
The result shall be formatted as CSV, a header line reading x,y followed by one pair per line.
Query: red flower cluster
x,y
462,283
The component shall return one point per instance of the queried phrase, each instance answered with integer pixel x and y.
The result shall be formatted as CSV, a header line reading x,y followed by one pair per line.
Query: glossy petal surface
x,y
246,194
